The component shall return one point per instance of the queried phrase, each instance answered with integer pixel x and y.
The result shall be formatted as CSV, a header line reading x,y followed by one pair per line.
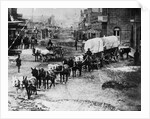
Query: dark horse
x,y
77,66
125,50
35,72
44,77
87,62
30,85
74,66
37,53
49,76
64,72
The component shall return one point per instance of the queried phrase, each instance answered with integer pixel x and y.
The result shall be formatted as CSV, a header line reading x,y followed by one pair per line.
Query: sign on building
x,y
102,18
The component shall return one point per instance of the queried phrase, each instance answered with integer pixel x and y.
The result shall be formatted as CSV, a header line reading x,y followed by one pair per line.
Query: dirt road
x,y
83,93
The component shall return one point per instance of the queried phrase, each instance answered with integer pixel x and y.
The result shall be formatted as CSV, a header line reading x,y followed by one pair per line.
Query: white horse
x,y
17,83
22,84
52,66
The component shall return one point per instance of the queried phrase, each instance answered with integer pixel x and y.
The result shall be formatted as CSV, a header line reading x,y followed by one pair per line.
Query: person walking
x,y
26,42
136,57
76,44
18,63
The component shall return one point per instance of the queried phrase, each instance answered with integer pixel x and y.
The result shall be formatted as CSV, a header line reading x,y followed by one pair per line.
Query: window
x,y
117,31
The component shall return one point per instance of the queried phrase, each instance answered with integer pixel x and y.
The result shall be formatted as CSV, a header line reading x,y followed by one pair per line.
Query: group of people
x,y
23,42
29,42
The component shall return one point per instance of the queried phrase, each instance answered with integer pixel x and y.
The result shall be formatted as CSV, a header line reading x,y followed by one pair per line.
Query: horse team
x,y
47,78
47,54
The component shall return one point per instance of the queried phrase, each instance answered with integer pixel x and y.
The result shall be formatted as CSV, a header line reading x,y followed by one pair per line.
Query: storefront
x,y
92,33
14,30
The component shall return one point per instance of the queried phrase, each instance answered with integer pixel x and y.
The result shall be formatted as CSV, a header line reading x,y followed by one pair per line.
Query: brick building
x,y
89,22
125,23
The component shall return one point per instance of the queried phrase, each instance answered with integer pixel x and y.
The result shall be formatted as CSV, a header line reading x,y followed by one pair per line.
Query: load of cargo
x,y
97,45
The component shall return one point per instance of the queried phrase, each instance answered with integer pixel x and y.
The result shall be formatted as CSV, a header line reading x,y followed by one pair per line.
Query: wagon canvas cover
x,y
97,44
110,42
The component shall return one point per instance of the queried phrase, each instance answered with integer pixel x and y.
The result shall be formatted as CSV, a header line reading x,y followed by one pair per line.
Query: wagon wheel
x,y
109,57
116,56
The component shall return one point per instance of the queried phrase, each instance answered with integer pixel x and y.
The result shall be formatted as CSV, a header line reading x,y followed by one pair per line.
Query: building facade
x,y
125,23
15,24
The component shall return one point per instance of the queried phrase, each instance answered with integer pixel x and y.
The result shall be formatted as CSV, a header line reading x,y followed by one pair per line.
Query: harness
x,y
51,73
18,84
38,72
85,59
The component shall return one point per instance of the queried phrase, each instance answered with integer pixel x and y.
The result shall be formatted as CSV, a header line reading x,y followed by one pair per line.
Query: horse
x,y
65,73
21,83
36,52
52,76
77,65
87,62
52,66
43,76
58,52
36,73
30,84
17,82
62,70
125,50
48,75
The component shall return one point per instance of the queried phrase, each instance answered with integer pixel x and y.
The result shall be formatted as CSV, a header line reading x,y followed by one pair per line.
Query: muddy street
x,y
83,93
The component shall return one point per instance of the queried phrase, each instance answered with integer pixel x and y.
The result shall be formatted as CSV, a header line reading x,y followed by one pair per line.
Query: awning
x,y
15,22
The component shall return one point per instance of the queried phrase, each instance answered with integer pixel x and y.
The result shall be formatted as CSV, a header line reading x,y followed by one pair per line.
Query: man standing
x,y
136,57
76,44
18,63
32,42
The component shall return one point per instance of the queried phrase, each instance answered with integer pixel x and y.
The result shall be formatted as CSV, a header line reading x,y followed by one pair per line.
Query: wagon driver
x,y
89,53
50,43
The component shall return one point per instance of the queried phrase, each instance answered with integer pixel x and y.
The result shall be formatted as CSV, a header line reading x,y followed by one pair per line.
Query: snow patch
x,y
125,68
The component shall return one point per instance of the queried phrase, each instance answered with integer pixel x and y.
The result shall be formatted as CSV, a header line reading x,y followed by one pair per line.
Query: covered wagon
x,y
105,48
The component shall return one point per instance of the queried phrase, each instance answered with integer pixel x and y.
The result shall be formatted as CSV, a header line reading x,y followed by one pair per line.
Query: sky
x,y
66,16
